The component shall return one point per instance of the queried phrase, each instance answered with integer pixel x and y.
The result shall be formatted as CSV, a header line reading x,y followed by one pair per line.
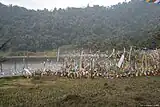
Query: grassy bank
x,y
51,91
22,53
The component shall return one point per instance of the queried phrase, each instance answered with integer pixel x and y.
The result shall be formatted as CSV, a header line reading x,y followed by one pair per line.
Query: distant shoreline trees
x,y
97,27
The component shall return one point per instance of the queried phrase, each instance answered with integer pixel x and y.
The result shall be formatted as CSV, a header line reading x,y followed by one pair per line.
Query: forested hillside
x,y
134,23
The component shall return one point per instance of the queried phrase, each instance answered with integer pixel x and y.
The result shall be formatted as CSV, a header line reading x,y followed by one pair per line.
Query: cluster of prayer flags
x,y
153,1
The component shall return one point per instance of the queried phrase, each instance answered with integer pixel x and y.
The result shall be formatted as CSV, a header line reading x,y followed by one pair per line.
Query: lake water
x,y
14,66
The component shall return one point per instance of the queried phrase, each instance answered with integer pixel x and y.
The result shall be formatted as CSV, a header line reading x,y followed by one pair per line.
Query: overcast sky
x,y
50,4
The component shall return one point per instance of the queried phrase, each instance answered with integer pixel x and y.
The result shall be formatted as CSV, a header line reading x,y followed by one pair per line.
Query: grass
x,y
1,53
62,92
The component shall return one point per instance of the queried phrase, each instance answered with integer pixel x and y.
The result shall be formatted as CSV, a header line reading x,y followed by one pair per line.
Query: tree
x,y
3,48
98,27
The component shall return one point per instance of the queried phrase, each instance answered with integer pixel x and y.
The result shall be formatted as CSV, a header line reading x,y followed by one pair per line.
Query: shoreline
x,y
14,57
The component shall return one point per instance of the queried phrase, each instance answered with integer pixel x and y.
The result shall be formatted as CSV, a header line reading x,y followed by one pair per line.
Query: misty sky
x,y
50,4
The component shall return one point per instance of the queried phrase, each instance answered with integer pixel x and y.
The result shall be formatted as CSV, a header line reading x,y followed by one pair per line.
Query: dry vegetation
x,y
62,92
134,83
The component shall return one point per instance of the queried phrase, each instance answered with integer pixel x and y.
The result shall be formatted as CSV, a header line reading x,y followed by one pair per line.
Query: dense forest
x,y
135,23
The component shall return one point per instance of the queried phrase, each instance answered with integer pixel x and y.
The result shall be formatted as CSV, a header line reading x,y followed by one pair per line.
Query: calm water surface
x,y
14,66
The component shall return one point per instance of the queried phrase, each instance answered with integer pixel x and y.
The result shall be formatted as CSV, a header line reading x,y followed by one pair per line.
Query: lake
x,y
14,66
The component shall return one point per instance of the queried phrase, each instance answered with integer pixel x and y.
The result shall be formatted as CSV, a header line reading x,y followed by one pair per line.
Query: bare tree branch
x,y
2,47
4,44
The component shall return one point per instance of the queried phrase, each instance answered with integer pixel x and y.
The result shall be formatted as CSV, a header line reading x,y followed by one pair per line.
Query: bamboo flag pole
x,y
130,52
93,63
146,63
24,61
58,54
124,50
123,63
80,63
24,65
142,66
15,66
112,53
92,67
1,67
27,59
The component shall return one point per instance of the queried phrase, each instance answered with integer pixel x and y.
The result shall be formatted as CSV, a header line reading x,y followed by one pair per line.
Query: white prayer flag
x,y
120,61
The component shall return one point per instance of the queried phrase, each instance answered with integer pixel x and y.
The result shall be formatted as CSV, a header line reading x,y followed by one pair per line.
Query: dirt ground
x,y
62,92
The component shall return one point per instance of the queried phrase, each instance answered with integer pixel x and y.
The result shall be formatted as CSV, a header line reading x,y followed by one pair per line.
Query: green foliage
x,y
94,27
19,53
